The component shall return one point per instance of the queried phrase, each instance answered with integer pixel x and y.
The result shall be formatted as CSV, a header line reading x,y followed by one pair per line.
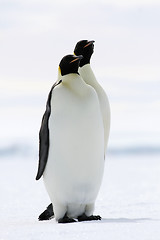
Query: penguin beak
x,y
89,43
78,58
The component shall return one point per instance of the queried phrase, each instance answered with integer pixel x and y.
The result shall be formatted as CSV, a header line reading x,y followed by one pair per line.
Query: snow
x,y
129,201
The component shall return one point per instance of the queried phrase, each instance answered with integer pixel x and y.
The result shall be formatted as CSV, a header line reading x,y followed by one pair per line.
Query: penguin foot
x,y
47,214
66,219
83,217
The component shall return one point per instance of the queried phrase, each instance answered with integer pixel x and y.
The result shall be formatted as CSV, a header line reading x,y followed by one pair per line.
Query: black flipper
x,y
47,214
90,218
44,136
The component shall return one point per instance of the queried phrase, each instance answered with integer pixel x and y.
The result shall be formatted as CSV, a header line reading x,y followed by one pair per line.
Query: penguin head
x,y
70,64
84,48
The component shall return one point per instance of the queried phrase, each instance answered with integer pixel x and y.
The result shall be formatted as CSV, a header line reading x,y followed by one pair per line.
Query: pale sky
x,y
36,34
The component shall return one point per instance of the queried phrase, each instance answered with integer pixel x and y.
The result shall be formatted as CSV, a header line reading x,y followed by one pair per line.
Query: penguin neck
x,y
74,82
84,61
59,76
88,75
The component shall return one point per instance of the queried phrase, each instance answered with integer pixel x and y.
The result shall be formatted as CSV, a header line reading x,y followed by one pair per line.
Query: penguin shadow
x,y
123,220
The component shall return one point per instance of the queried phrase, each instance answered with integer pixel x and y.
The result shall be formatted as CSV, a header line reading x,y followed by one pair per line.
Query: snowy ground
x,y
129,202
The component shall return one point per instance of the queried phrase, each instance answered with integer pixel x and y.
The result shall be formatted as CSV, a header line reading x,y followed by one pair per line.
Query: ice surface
x,y
129,202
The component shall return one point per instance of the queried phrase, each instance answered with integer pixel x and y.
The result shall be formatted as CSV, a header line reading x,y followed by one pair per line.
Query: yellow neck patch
x,y
59,69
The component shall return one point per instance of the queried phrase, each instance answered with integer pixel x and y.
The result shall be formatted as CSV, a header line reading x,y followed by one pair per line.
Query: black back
x,y
44,135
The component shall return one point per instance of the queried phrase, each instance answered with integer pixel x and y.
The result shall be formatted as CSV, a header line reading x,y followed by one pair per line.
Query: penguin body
x,y
86,49
75,161
88,76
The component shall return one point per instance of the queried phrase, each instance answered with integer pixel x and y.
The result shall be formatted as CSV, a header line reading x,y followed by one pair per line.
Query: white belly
x,y
75,163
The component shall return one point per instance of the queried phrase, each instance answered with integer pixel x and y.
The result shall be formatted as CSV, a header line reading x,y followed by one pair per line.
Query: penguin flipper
x,y
43,144
44,135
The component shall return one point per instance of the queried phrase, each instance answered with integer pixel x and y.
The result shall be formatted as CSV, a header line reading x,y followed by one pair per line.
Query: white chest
x,y
76,156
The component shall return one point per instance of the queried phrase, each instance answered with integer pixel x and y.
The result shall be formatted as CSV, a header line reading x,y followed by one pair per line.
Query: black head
x,y
70,64
84,48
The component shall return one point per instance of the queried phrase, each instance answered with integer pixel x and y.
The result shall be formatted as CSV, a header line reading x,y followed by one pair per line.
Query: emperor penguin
x,y
86,49
71,154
